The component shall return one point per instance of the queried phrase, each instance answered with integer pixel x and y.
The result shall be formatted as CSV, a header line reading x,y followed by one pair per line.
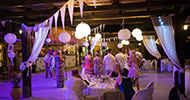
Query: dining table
x,y
98,86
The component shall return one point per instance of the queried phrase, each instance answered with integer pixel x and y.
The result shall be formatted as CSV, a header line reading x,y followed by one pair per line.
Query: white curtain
x,y
40,37
164,29
95,41
149,43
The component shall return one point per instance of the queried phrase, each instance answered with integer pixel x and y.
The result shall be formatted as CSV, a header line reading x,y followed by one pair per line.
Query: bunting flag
x,y
101,28
81,7
70,7
97,28
3,22
50,23
63,16
56,18
104,26
94,1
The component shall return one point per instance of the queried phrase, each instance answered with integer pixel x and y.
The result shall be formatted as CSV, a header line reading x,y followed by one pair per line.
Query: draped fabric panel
x,y
165,31
40,37
149,43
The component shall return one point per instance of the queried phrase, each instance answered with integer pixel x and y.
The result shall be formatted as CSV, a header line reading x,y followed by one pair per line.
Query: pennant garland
x,y
56,18
3,22
63,16
81,7
96,29
70,7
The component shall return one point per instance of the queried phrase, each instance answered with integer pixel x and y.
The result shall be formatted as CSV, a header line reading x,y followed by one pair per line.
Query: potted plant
x,y
16,90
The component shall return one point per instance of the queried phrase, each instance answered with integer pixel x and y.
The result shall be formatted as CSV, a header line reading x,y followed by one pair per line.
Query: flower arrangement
x,y
15,81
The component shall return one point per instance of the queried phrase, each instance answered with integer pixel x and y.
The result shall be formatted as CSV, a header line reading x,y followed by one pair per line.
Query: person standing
x,y
134,70
98,65
109,62
60,70
89,64
121,59
46,63
52,64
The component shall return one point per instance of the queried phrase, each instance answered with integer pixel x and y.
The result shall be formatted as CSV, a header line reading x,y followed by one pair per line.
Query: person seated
x,y
114,72
125,84
77,84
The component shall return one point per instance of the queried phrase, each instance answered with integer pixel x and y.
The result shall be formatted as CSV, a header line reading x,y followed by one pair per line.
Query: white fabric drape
x,y
95,41
40,37
149,43
164,29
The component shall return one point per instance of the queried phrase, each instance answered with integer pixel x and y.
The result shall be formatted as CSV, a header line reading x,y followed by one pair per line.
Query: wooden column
x,y
26,80
179,21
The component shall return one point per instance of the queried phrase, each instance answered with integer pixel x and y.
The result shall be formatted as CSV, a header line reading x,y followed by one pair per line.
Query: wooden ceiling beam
x,y
25,3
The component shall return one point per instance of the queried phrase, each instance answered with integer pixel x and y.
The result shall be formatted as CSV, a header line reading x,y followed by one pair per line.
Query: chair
x,y
145,94
113,95
141,95
70,95
150,88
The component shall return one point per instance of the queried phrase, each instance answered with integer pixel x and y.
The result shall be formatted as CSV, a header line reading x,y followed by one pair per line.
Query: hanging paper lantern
x,y
127,42
124,42
139,38
104,44
48,40
124,34
98,36
136,32
119,45
83,29
139,43
64,37
11,54
10,38
86,44
78,36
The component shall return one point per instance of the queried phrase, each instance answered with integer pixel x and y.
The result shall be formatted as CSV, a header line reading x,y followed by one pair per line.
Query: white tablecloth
x,y
166,65
187,81
98,92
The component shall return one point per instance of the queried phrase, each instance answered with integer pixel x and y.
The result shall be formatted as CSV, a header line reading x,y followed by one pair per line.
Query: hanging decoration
x,y
82,30
136,32
81,7
104,44
56,18
10,38
98,36
71,8
63,16
124,34
48,40
50,23
3,22
94,1
125,42
99,28
64,37
139,38
119,45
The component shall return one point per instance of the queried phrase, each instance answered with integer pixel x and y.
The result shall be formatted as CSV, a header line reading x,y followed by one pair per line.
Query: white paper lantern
x,y
98,36
83,29
136,32
11,54
48,40
124,34
124,42
139,43
119,45
86,44
139,38
104,44
64,37
78,36
10,38
127,42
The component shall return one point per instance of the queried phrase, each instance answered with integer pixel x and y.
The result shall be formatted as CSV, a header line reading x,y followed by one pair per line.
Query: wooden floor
x,y
45,89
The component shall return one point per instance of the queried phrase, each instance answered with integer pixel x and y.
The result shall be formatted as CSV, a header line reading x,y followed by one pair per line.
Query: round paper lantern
x,y
98,36
139,38
83,29
139,43
104,44
11,54
10,38
64,37
136,32
78,36
124,42
119,45
48,40
124,34
86,44
127,42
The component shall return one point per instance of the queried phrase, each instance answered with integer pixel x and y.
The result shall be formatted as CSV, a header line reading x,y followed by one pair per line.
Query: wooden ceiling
x,y
109,12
